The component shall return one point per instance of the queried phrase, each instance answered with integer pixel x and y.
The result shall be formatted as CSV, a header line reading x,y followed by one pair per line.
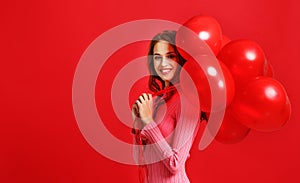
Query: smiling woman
x,y
163,130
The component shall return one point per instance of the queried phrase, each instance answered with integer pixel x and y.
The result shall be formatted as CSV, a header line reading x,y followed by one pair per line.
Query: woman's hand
x,y
145,107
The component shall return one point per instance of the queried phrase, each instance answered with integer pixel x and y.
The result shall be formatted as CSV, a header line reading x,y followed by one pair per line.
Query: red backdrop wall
x,y
41,44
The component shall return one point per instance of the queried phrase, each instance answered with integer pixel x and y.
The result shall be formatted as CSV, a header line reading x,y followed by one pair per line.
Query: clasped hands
x,y
143,108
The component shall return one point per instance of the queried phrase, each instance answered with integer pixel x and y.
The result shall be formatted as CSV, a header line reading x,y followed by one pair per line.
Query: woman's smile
x,y
165,71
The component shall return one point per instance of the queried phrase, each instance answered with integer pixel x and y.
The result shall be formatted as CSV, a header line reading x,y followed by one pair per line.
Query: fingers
x,y
143,98
144,105
135,109
135,106
138,103
150,96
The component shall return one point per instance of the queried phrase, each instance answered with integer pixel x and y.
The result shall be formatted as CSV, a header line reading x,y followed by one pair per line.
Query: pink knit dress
x,y
168,141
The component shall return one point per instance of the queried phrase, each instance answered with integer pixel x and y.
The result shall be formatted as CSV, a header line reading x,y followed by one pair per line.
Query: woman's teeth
x,y
165,71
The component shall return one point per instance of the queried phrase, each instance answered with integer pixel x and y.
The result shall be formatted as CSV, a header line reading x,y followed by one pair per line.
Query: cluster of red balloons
x,y
254,99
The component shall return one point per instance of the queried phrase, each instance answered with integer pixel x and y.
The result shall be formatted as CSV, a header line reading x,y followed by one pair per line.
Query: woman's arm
x,y
137,140
174,156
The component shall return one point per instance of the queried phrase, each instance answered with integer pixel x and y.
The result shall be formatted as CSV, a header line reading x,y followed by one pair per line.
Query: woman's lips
x,y
165,71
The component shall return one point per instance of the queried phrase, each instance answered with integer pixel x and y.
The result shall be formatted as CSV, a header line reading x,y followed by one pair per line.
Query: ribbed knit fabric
x,y
168,141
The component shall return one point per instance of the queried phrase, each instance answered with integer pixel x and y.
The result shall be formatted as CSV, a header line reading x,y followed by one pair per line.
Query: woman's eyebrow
x,y
171,52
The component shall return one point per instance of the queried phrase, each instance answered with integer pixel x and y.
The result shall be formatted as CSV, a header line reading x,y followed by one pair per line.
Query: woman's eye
x,y
172,56
157,58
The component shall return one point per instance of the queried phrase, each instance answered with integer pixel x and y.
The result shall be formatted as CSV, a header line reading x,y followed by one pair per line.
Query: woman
x,y
164,126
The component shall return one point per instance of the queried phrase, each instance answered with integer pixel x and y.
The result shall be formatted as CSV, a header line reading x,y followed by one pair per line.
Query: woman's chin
x,y
167,77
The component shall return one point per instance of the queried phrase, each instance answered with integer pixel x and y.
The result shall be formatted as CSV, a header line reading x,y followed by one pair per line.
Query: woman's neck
x,y
167,84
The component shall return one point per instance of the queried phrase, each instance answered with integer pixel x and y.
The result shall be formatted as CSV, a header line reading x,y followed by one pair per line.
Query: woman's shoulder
x,y
180,100
174,101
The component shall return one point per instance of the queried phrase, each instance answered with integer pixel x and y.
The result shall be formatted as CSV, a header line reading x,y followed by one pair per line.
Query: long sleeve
x,y
174,154
137,141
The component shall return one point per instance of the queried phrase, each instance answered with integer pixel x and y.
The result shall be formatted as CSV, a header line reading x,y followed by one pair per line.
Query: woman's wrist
x,y
147,120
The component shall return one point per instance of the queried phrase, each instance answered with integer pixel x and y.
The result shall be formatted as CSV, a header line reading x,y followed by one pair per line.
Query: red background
x,y
41,43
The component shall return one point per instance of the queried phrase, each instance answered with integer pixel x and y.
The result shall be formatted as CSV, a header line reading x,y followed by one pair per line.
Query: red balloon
x,y
263,105
231,130
206,28
245,59
205,90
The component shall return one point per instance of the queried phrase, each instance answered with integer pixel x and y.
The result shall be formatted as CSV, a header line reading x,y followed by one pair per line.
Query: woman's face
x,y
165,61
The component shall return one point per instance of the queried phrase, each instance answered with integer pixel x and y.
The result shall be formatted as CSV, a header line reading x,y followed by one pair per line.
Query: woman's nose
x,y
164,61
